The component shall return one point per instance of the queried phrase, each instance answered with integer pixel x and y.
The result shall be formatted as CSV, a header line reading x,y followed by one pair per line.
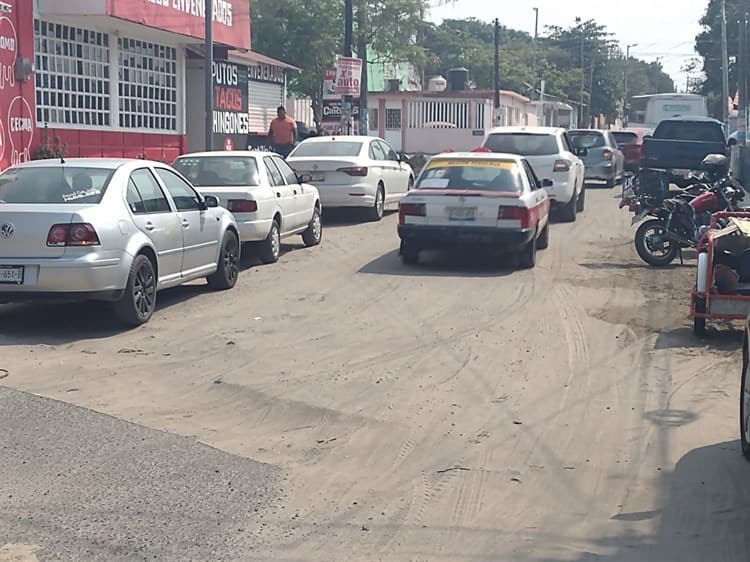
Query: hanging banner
x,y
231,118
348,76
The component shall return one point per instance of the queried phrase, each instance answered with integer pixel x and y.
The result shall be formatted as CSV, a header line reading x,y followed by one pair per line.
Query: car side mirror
x,y
732,142
647,137
547,183
210,201
402,157
582,152
304,178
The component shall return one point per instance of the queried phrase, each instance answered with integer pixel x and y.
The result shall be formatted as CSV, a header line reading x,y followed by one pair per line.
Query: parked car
x,y
267,198
113,230
602,157
552,156
485,200
680,144
630,142
354,171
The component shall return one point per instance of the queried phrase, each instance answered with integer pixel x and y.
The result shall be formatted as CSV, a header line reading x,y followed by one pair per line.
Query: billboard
x,y
231,121
187,17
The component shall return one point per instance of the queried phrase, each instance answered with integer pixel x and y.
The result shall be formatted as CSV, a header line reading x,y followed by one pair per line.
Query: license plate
x,y
318,177
11,274
462,213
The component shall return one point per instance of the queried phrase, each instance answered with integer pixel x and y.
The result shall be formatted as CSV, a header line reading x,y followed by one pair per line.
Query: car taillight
x,y
607,154
74,234
242,205
561,166
411,210
359,172
515,213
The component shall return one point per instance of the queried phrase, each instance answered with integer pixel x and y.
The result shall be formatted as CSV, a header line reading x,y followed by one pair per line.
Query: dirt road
x,y
453,411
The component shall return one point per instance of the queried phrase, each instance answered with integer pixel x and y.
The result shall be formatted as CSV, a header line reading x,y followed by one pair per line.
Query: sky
x,y
661,29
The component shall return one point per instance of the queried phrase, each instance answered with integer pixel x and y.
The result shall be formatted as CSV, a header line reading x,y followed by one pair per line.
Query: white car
x,y
494,201
553,157
113,230
354,171
267,199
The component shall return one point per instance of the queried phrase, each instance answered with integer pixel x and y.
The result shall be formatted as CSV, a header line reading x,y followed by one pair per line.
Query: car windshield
x,y
690,131
487,175
586,139
624,138
327,149
225,171
59,184
524,144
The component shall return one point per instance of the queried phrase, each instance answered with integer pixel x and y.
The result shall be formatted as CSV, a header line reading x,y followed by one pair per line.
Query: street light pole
x,y
496,73
583,75
724,65
536,48
626,113
209,75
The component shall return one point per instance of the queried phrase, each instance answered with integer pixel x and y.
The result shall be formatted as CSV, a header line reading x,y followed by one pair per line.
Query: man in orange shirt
x,y
283,132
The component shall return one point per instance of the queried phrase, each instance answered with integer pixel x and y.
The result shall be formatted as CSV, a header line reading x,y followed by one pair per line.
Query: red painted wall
x,y
116,144
17,109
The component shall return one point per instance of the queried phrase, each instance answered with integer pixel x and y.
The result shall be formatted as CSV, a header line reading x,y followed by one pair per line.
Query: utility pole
x,y
364,118
346,106
583,75
741,64
496,73
536,48
626,105
724,66
209,75
591,92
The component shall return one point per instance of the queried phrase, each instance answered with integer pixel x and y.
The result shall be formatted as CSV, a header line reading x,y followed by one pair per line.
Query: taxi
x,y
476,199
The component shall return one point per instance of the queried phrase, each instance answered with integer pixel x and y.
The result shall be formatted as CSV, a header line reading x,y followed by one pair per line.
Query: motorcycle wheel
x,y
657,256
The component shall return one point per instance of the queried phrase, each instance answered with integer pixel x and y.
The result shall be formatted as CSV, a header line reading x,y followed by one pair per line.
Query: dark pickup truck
x,y
680,144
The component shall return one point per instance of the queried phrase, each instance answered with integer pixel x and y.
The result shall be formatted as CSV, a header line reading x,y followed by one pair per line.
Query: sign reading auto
x,y
187,17
231,119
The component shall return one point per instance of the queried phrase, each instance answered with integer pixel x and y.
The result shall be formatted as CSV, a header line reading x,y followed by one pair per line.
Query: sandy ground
x,y
453,411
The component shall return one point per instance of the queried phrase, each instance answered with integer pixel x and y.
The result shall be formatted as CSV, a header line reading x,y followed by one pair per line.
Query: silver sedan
x,y
110,230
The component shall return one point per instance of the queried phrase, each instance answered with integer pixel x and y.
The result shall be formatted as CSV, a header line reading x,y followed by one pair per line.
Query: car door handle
x,y
278,194
149,226
295,192
185,223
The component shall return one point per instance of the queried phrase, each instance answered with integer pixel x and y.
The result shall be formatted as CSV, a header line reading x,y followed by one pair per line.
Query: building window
x,y
374,119
147,85
72,75
392,119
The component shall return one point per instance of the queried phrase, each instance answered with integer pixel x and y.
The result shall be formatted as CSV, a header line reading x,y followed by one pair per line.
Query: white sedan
x,y
112,230
354,171
266,197
476,199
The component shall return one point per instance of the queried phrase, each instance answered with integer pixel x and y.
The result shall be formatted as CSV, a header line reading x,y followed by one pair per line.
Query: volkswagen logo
x,y
7,230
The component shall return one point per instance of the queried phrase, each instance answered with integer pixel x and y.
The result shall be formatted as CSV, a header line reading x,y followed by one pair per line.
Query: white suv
x,y
553,157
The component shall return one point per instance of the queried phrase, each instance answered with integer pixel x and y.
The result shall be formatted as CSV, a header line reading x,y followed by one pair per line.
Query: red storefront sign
x,y
187,17
17,118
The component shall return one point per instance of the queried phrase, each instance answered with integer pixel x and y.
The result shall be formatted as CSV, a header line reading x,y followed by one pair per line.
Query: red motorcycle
x,y
679,222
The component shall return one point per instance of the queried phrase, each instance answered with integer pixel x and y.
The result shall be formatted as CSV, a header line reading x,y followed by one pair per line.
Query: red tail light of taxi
x,y
411,210
74,234
607,154
359,172
482,149
561,166
242,205
515,213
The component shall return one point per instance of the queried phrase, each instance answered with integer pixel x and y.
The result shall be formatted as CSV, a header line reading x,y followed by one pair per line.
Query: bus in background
x,y
648,111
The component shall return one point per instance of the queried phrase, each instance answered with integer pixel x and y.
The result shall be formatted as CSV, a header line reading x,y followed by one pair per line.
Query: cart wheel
x,y
699,324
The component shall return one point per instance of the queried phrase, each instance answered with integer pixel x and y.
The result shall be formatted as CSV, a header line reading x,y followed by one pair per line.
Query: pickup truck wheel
x,y
270,248
543,240
409,253
527,256
569,210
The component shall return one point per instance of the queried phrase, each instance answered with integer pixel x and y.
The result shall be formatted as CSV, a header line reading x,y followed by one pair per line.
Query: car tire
x,y
581,200
569,211
745,402
228,267
542,242
527,256
375,213
409,253
699,324
611,183
138,302
314,233
410,185
270,248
